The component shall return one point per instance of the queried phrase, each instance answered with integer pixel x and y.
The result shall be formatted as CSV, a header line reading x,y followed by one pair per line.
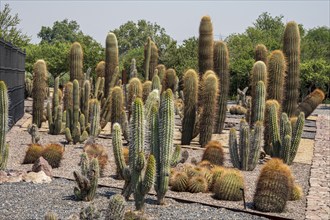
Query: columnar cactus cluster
x,y
54,114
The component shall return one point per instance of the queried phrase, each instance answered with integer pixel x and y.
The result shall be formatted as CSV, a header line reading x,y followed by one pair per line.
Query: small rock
x,y
42,165
39,177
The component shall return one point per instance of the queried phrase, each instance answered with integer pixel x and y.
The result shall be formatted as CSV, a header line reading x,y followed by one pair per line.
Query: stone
x,y
42,165
39,177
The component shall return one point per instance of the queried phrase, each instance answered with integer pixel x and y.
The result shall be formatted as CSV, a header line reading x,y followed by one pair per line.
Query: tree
x,y
133,35
9,30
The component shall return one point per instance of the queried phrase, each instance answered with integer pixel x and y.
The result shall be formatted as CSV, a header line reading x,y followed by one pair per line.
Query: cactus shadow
x,y
108,194
151,201
69,198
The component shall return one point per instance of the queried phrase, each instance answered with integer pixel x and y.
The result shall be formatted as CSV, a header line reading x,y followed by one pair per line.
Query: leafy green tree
x,y
133,35
9,30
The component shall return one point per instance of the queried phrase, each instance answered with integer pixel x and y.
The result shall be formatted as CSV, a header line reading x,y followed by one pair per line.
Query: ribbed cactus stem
x,y
166,134
209,97
156,84
153,100
291,49
261,53
117,151
94,118
190,91
117,104
85,98
4,147
170,80
76,63
116,208
310,102
54,115
221,68
146,89
100,68
153,60
39,91
205,45
147,56
134,91
111,60
259,101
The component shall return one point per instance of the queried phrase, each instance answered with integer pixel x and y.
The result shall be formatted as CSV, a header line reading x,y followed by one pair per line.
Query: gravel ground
x,y
32,201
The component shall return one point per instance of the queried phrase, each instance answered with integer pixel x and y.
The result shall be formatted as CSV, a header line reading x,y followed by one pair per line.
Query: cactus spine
x,y
87,183
39,91
261,53
209,97
291,49
221,68
111,60
245,154
205,45
4,147
54,115
310,102
286,137
276,76
190,91
76,63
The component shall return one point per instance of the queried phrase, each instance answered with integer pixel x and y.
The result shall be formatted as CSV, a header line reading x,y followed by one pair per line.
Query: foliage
x,y
9,30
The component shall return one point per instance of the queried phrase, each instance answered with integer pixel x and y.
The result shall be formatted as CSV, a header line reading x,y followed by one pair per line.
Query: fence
x,y
12,72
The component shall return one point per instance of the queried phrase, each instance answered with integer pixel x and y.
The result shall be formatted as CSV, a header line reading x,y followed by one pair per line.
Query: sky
x,y
179,18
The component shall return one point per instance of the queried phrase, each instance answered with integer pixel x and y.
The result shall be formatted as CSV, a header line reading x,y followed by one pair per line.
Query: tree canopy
x,y
9,30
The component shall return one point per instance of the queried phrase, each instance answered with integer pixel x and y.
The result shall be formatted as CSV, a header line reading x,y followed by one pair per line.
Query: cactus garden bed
x,y
294,209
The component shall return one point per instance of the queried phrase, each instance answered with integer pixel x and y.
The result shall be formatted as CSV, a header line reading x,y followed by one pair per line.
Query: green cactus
x,y
237,110
156,84
205,45
190,91
286,137
87,184
76,63
39,93
179,182
147,56
111,60
221,68
209,97
170,80
94,118
85,96
117,105
51,216
291,50
161,72
276,76
267,132
197,184
153,100
146,89
153,60
100,69
98,88
134,91
67,99
261,53
310,102
259,99
53,153
245,154
116,208
75,122
28,87
229,185
115,79
4,106
133,70
274,187
54,115
214,153
297,193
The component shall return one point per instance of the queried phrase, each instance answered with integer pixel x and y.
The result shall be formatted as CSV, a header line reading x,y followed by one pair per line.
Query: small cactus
x,y
179,182
146,89
214,153
51,216
310,102
197,184
237,110
53,153
274,187
33,152
116,208
99,152
229,185
170,80
33,131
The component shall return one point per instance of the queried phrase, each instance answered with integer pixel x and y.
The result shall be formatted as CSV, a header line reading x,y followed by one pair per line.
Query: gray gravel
x,y
31,201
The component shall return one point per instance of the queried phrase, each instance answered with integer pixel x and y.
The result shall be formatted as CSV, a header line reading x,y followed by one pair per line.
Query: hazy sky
x,y
179,18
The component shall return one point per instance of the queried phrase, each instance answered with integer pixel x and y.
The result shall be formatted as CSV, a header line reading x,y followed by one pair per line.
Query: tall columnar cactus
x,y
245,153
205,45
221,68
161,72
146,89
136,179
259,73
286,137
261,53
54,114
98,89
190,91
155,83
267,132
100,68
4,147
39,93
274,187
67,98
134,91
276,76
310,102
291,49
133,70
170,80
85,96
153,60
209,97
94,118
76,63
88,180
259,100
117,105
75,121
111,60
165,150
147,56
